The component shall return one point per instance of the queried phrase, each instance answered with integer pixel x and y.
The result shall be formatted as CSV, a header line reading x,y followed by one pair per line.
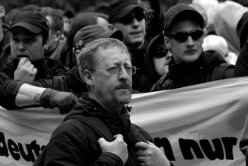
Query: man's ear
x,y
167,42
87,76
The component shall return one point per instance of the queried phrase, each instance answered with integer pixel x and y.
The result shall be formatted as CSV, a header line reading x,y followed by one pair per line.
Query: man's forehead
x,y
184,25
113,53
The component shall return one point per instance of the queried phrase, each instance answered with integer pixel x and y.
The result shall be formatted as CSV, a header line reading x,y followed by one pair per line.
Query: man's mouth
x,y
190,51
135,33
124,87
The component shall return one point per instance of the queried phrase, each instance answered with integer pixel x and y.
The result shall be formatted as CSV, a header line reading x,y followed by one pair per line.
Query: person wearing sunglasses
x,y
128,16
156,60
183,34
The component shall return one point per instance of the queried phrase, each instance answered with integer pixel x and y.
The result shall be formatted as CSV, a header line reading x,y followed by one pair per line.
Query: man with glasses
x,y
183,35
128,16
98,130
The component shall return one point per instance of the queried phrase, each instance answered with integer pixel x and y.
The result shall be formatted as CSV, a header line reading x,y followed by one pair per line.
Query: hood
x,y
75,82
89,107
117,124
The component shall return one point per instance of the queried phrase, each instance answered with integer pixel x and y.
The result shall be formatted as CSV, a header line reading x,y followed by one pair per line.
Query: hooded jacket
x,y
209,67
75,141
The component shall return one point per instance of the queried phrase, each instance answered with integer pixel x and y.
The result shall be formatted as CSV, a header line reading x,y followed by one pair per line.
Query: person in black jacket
x,y
28,38
29,34
183,35
128,16
98,130
157,60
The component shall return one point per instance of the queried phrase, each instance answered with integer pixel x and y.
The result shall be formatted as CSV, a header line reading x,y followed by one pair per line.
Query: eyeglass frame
x,y
117,69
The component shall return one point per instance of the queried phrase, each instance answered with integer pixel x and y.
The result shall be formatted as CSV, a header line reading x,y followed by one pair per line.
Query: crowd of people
x,y
89,64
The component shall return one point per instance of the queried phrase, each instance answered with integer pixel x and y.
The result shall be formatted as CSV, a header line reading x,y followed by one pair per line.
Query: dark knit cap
x,y
120,8
92,32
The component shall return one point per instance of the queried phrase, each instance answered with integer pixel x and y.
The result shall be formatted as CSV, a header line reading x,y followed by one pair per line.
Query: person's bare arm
x,y
28,95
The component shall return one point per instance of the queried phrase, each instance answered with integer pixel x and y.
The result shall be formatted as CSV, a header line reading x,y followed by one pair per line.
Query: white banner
x,y
197,125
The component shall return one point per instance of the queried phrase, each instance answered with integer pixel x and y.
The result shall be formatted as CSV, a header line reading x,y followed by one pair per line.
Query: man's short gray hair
x,y
86,56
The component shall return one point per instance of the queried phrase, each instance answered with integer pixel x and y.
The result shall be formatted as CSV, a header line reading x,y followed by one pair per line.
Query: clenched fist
x,y
25,71
65,101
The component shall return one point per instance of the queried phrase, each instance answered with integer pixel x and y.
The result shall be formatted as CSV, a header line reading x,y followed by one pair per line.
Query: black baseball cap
x,y
120,8
30,20
181,10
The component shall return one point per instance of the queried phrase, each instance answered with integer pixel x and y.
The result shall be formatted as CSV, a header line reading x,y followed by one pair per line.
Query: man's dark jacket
x,y
209,67
75,141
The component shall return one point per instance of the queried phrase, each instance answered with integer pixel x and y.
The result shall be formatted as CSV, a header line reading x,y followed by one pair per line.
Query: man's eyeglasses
x,y
183,36
129,18
117,69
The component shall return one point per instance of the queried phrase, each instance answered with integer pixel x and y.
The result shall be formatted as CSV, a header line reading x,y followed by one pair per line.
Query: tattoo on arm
x,y
36,98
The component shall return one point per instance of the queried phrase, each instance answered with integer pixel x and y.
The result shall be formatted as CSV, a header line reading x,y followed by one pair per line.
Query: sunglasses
x,y
183,36
160,52
128,19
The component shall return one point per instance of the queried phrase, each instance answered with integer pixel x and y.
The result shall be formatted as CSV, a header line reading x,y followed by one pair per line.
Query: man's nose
x,y
135,22
20,45
123,74
190,41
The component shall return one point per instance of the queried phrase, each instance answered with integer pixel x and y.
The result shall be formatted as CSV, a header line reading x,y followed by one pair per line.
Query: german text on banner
x,y
197,125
